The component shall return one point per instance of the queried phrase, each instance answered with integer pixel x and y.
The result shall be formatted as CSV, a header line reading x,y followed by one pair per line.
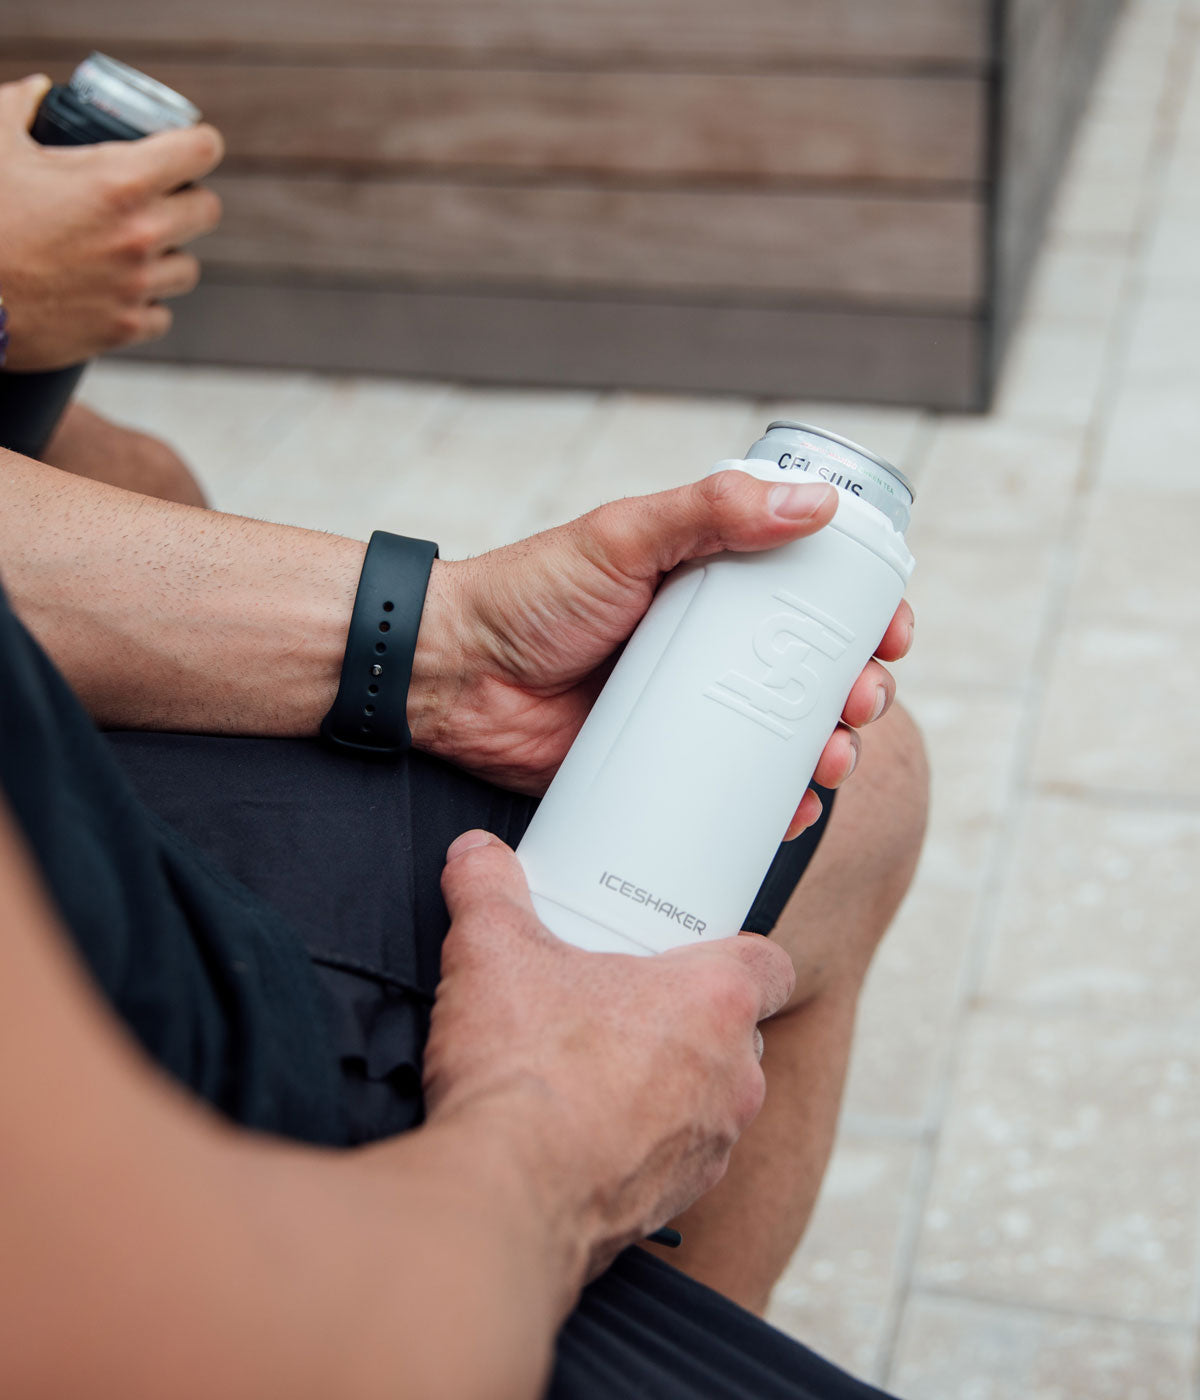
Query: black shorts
x,y
351,851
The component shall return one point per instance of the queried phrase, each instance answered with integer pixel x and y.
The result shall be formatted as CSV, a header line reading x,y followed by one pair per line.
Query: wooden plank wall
x,y
658,34
584,171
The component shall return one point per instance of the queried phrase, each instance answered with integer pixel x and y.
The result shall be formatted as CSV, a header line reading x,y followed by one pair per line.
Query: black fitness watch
x,y
369,715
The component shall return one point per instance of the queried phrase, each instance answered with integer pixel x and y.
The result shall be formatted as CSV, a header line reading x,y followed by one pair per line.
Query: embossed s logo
x,y
790,645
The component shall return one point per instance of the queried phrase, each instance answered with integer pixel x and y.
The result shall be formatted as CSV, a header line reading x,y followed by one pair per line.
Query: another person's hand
x,y
90,236
516,644
629,1079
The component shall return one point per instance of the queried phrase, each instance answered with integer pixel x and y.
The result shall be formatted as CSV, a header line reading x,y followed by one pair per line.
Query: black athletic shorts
x,y
351,851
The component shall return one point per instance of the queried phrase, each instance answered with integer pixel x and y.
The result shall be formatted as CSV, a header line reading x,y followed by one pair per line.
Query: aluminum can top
x,y
132,97
803,448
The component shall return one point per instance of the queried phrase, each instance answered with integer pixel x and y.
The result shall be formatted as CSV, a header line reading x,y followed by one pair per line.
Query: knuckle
x,y
713,1172
137,283
210,144
125,328
155,322
728,993
776,958
769,967
752,1093
720,491
120,191
742,1001
139,239
505,920
189,272
768,973
465,946
708,982
483,863
213,208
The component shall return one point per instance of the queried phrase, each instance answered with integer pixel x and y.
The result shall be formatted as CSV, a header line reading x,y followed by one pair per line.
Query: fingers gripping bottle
x,y
666,813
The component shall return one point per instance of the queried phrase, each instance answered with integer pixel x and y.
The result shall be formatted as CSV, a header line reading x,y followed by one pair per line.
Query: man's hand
x,y
629,1079
513,648
90,235
516,644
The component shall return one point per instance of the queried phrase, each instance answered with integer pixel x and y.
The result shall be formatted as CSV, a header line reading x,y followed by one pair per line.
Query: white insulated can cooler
x,y
667,811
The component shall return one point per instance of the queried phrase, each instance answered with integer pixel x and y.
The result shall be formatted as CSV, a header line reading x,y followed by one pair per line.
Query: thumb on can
x,y
482,875
728,510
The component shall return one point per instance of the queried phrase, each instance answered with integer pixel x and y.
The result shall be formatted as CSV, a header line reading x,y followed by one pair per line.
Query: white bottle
x,y
666,813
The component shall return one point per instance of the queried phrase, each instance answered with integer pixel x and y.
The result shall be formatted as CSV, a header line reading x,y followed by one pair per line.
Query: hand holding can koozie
x,y
666,813
104,101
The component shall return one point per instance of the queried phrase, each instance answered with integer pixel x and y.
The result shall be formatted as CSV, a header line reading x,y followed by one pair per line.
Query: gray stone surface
x,y
952,1349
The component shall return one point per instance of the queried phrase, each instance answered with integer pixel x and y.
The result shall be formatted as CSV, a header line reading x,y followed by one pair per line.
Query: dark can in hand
x,y
105,100
108,101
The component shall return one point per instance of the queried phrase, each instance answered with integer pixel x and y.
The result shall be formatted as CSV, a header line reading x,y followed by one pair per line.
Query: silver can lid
x,y
841,462
132,97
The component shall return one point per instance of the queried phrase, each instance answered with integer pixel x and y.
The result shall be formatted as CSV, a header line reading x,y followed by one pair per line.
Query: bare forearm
x,y
419,1269
166,617
256,1270
453,1276
149,1250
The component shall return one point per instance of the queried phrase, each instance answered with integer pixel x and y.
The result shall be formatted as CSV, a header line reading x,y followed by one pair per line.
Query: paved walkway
x,y
1014,1208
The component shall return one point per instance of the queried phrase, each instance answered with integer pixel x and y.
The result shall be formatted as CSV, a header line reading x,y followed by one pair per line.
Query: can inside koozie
x,y
64,119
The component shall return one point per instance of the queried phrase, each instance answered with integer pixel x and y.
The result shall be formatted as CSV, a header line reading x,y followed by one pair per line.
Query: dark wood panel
x,y
664,33
678,126
893,251
800,353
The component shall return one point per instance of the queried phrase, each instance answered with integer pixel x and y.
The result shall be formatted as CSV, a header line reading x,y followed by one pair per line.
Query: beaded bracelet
x,y
3,332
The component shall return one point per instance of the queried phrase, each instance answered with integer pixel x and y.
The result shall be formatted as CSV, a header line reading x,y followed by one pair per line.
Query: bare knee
x,y
863,867
880,818
155,469
888,798
88,444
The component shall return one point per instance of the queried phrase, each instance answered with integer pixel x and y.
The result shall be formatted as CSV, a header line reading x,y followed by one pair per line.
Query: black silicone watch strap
x,y
370,712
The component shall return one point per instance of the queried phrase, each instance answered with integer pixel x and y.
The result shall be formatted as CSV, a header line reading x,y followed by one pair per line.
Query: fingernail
x,y
464,843
798,502
881,699
853,760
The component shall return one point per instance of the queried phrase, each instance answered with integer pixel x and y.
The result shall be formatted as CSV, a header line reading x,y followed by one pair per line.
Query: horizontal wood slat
x,y
893,251
932,360
661,32
677,126
791,197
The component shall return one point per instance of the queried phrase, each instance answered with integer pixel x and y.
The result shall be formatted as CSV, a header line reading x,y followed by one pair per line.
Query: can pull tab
x,y
797,449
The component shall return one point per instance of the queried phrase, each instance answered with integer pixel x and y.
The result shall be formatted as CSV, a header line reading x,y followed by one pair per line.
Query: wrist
x,y
540,1177
574,1194
495,1169
439,667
